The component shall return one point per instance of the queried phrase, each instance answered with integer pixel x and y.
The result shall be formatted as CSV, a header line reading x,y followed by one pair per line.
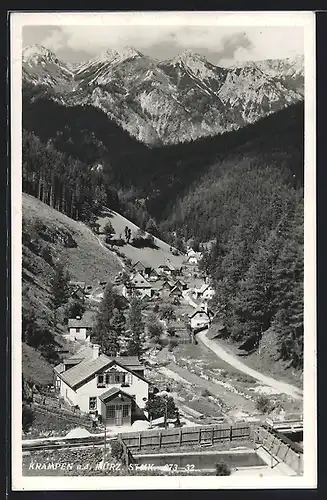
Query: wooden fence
x,y
179,436
279,449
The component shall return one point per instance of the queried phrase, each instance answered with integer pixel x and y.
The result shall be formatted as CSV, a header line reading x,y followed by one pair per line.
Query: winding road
x,y
232,360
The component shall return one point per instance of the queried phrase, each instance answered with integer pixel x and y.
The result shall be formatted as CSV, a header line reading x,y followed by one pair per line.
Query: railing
x,y
278,449
200,435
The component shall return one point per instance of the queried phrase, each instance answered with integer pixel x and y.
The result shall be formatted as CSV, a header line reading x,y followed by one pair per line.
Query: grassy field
x,y
151,256
36,368
88,261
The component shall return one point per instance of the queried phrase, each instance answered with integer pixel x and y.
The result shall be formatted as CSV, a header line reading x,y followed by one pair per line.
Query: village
x,y
99,397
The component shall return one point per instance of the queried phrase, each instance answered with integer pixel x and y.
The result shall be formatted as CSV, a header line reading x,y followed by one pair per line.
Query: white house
x,y
205,292
193,257
115,388
200,317
80,328
138,284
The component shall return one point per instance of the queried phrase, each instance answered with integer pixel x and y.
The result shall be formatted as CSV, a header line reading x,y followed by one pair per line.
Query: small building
x,y
200,317
79,328
194,258
115,388
176,292
205,292
139,285
142,268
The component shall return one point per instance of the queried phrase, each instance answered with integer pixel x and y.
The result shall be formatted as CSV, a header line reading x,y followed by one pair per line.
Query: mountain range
x,y
166,102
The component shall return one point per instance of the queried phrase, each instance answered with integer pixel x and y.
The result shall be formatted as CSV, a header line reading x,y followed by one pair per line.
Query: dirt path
x,y
232,360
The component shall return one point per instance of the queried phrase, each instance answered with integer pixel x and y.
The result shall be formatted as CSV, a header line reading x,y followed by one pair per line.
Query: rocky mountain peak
x,y
37,53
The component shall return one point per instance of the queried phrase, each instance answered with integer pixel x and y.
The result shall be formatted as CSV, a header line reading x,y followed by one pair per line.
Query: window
x,y
92,403
125,410
77,330
114,378
100,380
111,411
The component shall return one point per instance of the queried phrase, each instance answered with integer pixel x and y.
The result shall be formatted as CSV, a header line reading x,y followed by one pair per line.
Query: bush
x,y
27,417
205,393
222,469
263,404
117,450
172,344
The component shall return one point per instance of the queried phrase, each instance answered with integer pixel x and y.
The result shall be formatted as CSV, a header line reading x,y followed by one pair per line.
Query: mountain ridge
x,y
170,101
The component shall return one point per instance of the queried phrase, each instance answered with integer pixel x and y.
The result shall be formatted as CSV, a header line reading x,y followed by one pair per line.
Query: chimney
x,y
95,351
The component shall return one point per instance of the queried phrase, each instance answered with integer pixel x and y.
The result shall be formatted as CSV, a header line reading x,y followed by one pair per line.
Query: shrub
x,y
263,404
222,469
205,393
117,450
172,344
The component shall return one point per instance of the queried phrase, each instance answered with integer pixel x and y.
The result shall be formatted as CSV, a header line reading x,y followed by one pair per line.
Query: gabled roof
x,y
176,289
81,372
85,322
114,391
84,352
198,311
139,282
139,264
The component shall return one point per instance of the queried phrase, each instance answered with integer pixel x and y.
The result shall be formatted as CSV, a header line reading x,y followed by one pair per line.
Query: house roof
x,y
176,289
198,311
157,284
84,353
113,392
139,282
85,322
88,367
59,368
139,264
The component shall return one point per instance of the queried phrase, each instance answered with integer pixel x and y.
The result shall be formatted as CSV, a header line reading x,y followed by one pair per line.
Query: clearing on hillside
x,y
86,259
153,257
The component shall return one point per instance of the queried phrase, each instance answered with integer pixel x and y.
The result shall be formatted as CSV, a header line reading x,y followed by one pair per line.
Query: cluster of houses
x,y
115,389
165,281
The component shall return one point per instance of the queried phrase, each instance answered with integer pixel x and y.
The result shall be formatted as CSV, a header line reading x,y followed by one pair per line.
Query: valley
x,y
162,241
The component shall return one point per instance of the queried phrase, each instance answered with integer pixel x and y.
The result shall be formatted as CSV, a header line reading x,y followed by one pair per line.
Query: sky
x,y
219,44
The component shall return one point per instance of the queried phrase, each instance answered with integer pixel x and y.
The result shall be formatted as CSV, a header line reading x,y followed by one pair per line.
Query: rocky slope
x,y
169,101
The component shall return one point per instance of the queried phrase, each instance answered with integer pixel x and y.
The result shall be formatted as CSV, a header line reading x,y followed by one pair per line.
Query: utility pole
x,y
105,442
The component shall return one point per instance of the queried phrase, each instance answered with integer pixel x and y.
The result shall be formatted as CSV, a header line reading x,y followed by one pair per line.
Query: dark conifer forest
x,y
242,191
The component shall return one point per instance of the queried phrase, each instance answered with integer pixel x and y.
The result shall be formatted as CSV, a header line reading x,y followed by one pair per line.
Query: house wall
x,y
199,320
80,335
138,387
208,294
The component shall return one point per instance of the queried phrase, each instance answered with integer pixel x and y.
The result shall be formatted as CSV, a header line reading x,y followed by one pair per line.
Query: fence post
x,y
140,441
160,437
231,433
212,434
199,436
180,436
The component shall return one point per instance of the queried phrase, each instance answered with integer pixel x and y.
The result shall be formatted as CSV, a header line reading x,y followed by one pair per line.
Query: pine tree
x,y
151,227
135,328
103,332
118,325
59,286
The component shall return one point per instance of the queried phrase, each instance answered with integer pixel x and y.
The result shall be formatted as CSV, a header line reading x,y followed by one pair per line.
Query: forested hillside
x,y
54,248
243,190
